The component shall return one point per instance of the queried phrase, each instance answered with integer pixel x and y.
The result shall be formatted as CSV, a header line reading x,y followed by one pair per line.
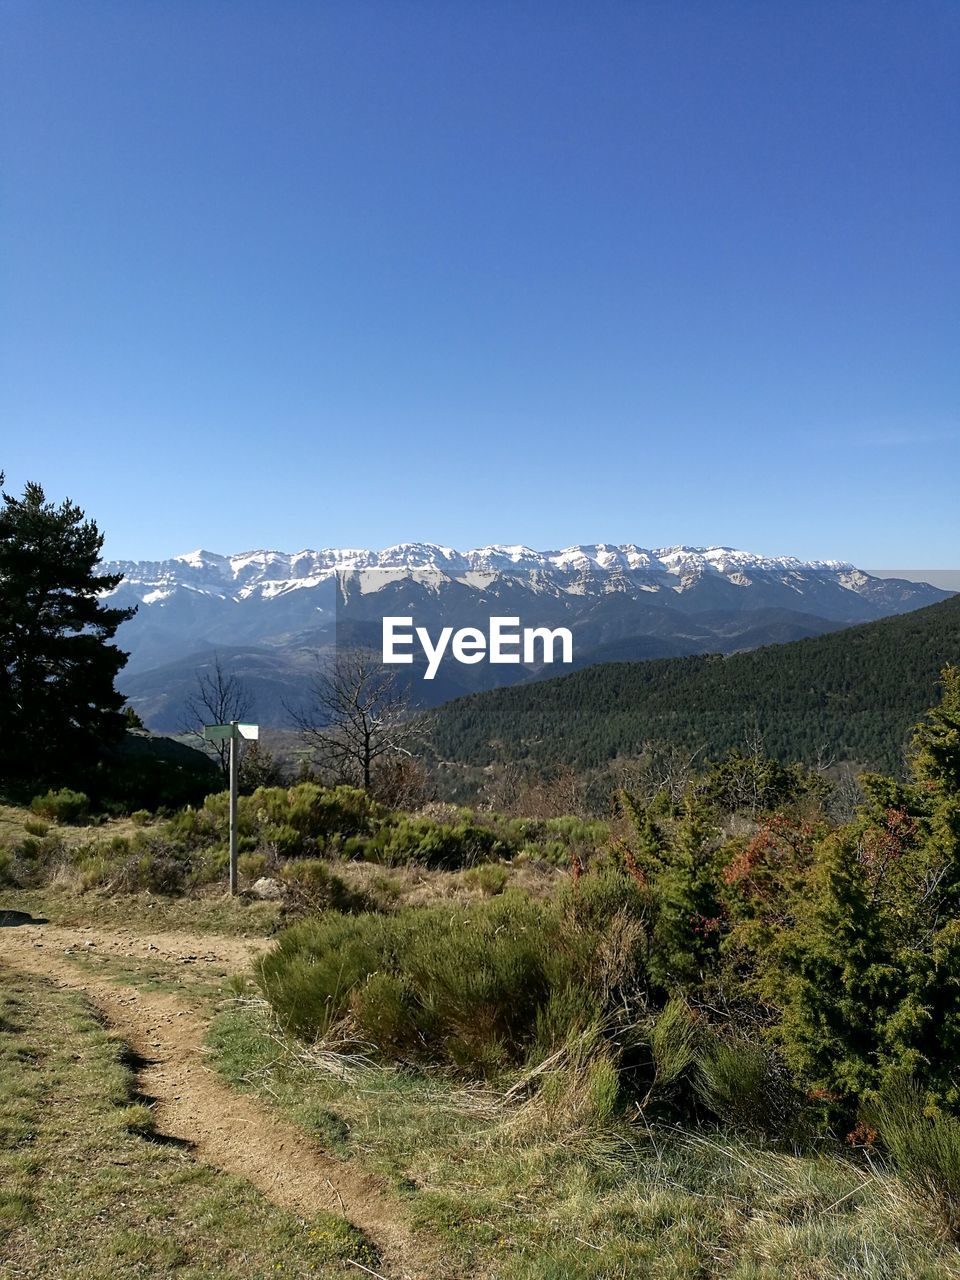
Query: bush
x,y
64,806
309,812
145,864
310,821
491,879
36,827
746,1087
384,1005
32,862
251,866
673,1040
312,887
603,1088
924,1147
757,784
477,987
311,974
580,1089
433,844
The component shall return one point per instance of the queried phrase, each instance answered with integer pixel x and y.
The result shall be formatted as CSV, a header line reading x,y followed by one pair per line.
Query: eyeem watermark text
x,y
504,641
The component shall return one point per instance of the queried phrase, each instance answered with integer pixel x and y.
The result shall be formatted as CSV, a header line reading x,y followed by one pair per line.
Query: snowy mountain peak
x,y
590,570
199,559
211,571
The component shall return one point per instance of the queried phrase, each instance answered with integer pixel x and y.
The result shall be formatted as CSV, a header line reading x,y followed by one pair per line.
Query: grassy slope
x,y
516,1195
14,820
853,694
519,1198
216,914
213,911
85,1194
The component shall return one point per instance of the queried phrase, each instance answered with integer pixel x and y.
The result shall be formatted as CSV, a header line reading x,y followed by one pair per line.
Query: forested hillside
x,y
851,695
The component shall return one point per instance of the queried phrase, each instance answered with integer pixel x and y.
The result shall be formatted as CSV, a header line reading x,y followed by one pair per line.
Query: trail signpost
x,y
233,733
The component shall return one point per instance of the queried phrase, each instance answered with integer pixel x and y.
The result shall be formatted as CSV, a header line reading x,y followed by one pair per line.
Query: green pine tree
x,y
688,918
936,740
870,971
58,705
834,987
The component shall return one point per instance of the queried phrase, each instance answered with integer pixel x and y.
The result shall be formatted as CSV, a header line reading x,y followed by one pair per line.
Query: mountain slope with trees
x,y
851,695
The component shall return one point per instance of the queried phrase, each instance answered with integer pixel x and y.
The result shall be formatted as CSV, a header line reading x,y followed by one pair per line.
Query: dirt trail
x,y
223,1128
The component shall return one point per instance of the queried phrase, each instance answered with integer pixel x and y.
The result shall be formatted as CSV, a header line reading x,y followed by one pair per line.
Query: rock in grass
x,y
266,889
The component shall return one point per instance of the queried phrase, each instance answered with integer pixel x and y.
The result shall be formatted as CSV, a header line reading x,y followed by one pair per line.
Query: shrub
x,y
308,821
251,866
924,1147
191,828
673,1041
491,878
604,921
746,1087
579,1084
433,844
384,1005
481,976
61,806
603,1088
312,887
311,811
570,1009
144,864
312,973
285,841
140,817
33,861
36,827
757,784
93,870
478,987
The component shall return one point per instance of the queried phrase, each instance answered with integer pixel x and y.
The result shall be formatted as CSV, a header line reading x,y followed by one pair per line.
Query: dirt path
x,y
223,1128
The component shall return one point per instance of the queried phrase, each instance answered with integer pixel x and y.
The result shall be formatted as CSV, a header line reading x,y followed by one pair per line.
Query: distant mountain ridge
x,y
206,570
273,611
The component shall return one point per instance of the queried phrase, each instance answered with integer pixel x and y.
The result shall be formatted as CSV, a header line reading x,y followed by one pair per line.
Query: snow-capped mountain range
x,y
275,572
267,613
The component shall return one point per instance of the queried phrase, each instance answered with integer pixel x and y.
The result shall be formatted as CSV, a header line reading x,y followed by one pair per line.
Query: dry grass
x,y
521,1193
13,822
213,912
415,886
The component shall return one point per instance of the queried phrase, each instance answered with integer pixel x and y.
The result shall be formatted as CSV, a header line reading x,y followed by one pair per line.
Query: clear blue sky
x,y
285,274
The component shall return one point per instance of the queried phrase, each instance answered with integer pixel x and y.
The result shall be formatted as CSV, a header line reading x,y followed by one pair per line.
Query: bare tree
x,y
219,698
657,768
846,794
357,714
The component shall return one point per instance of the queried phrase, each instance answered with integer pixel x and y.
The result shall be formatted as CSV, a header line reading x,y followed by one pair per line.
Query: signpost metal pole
x,y
234,785
234,732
